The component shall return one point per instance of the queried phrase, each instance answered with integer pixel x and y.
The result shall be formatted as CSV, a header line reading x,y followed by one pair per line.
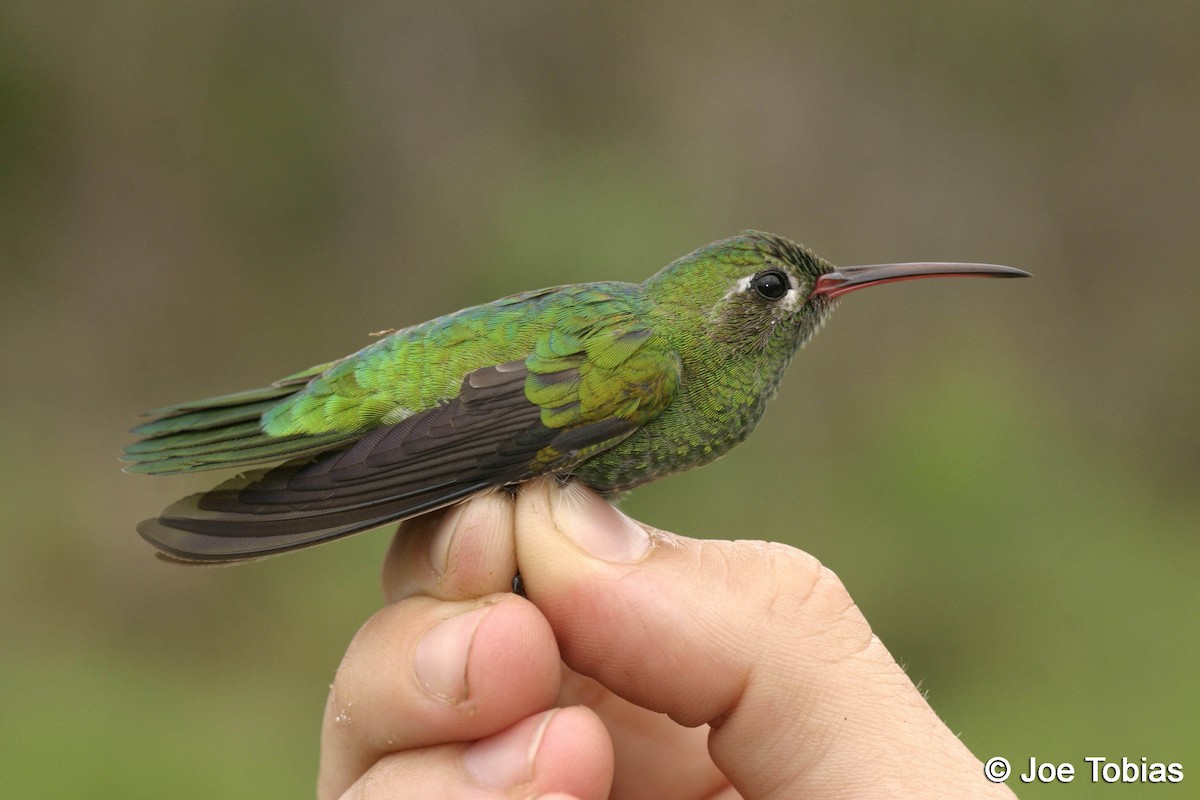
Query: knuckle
x,y
784,578
794,590
834,609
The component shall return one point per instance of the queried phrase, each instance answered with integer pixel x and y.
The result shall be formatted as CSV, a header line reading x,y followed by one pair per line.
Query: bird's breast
x,y
714,411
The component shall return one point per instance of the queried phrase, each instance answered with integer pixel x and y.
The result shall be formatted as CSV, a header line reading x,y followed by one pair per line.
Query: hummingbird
x,y
612,384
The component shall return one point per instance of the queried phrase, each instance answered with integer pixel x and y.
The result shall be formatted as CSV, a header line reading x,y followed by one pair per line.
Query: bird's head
x,y
757,290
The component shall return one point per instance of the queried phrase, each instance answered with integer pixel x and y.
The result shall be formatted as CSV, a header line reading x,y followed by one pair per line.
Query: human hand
x,y
693,669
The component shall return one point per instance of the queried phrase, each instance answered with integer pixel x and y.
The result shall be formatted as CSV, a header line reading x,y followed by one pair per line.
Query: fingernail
x,y
439,546
506,759
596,526
440,660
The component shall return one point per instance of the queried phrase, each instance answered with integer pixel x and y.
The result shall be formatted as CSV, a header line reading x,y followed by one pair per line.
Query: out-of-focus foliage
x,y
199,197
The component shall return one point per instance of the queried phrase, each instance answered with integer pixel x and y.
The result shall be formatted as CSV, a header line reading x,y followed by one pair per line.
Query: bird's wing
x,y
581,391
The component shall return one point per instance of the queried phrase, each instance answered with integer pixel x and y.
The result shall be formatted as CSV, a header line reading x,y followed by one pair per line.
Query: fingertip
x,y
570,530
563,750
406,565
423,672
464,551
575,757
516,648
596,526
557,754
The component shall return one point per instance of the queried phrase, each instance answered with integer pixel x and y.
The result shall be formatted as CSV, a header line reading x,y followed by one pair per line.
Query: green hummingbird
x,y
614,384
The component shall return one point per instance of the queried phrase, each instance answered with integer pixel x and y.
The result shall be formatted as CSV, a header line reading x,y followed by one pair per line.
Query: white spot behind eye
x,y
739,286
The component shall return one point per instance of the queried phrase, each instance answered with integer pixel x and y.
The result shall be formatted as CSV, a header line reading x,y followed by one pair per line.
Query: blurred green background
x,y
200,197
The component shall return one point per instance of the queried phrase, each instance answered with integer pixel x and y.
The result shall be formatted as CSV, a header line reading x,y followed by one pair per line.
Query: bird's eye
x,y
770,284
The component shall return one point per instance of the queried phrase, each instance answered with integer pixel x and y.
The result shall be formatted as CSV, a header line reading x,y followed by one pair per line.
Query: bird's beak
x,y
849,279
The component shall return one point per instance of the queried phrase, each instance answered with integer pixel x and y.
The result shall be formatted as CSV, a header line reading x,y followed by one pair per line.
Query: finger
x,y
469,550
656,756
460,552
563,752
424,672
757,640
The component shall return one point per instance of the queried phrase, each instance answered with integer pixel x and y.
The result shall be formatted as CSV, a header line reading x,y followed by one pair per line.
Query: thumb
x,y
755,639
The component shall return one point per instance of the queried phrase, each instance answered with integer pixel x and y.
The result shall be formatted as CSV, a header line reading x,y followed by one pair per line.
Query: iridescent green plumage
x,y
614,383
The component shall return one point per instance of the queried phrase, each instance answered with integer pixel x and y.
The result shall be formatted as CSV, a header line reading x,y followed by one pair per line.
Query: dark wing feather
x,y
491,434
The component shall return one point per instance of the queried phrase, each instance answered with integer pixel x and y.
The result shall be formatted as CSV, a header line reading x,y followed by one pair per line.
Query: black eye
x,y
771,284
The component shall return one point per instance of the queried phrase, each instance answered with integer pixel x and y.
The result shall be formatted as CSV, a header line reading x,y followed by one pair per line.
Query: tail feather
x,y
246,451
224,431
191,442
208,404
207,418
275,391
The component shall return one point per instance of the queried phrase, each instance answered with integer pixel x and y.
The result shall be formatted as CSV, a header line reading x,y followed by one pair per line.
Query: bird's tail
x,y
222,432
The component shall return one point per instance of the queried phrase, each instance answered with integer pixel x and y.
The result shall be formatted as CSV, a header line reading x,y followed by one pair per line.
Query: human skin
x,y
642,665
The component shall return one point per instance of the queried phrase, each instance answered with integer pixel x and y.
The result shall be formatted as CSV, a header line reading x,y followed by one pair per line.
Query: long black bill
x,y
849,279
